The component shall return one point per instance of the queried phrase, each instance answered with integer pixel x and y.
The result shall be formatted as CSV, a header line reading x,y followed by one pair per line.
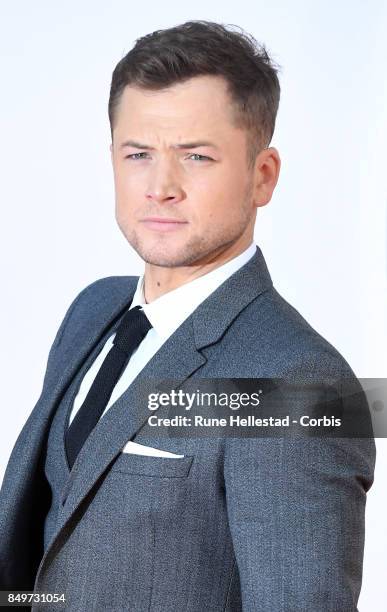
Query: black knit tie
x,y
132,329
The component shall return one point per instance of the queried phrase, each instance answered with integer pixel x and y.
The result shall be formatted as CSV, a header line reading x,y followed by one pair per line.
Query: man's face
x,y
207,189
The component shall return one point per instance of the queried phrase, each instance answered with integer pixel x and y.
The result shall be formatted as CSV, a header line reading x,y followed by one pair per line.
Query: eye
x,y
203,157
133,156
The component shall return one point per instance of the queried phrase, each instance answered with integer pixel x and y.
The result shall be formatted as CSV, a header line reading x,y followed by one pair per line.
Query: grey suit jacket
x,y
256,524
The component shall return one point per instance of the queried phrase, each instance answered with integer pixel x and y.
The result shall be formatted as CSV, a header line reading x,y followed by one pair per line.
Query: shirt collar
x,y
167,312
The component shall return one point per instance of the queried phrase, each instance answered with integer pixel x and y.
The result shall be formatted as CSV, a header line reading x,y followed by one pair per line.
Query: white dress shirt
x,y
166,314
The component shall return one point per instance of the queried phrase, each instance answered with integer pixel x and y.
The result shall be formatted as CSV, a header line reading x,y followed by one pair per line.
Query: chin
x,y
169,252
162,260
166,254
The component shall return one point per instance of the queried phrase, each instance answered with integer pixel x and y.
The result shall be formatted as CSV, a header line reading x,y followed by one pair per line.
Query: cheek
x,y
123,184
123,205
125,181
220,199
129,197
119,213
226,184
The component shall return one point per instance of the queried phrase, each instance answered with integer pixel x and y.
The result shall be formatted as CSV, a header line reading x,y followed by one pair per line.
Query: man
x,y
96,508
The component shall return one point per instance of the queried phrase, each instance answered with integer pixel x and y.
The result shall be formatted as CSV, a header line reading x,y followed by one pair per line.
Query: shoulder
x,y
285,340
96,297
103,294
112,287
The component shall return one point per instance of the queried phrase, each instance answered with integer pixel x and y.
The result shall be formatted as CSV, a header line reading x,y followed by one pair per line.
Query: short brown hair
x,y
194,48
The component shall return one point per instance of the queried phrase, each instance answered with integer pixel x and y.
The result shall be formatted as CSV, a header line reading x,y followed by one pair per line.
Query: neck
x,y
160,280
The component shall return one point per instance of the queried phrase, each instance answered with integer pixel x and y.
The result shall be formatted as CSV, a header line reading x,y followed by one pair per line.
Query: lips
x,y
163,220
163,224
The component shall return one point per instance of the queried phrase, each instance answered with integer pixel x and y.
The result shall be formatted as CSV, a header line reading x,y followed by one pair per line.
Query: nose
x,y
164,184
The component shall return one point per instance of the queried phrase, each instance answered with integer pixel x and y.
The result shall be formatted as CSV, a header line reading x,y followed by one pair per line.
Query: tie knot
x,y
133,328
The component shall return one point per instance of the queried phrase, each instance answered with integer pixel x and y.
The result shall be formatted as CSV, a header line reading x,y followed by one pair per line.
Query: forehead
x,y
200,101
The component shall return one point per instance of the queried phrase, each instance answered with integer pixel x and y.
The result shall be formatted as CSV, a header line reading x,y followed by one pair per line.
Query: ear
x,y
266,172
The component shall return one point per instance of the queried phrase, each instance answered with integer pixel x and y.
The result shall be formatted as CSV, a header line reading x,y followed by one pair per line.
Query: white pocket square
x,y
139,449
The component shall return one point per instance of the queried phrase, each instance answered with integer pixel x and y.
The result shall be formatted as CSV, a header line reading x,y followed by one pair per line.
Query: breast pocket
x,y
164,467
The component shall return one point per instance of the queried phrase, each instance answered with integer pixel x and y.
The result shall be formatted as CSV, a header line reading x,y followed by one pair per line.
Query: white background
x,y
323,235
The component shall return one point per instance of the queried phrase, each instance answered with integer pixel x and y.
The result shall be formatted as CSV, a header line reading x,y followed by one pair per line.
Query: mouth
x,y
163,224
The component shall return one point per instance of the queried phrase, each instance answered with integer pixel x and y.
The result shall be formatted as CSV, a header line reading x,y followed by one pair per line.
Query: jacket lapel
x,y
177,359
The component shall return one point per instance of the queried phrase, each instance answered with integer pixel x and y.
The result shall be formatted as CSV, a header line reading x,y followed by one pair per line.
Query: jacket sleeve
x,y
296,510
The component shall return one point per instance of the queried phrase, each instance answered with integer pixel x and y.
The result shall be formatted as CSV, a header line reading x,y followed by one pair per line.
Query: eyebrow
x,y
184,145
